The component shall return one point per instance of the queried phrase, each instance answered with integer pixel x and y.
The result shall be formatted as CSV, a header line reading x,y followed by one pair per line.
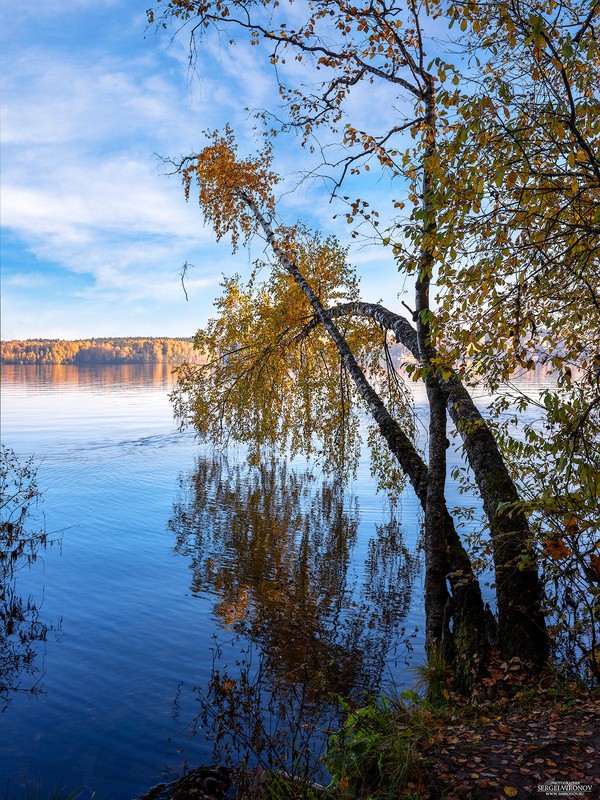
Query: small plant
x,y
19,494
435,681
376,752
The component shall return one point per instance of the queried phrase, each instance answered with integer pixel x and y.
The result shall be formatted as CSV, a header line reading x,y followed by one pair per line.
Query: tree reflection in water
x,y
21,627
278,551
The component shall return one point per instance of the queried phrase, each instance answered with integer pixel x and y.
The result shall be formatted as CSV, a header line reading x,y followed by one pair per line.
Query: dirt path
x,y
522,754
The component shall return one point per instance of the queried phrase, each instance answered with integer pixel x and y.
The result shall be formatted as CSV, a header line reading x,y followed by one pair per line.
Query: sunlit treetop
x,y
226,183
505,126
344,46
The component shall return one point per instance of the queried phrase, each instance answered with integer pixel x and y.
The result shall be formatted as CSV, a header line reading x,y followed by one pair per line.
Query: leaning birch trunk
x,y
443,544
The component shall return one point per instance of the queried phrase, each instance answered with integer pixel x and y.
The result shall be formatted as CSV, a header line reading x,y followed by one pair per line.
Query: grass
x,y
376,753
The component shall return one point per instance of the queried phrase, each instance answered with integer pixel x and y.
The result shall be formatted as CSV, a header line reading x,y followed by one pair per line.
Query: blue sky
x,y
93,232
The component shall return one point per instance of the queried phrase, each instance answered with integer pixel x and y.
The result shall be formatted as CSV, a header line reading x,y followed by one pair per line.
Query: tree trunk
x,y
461,627
445,557
437,566
521,625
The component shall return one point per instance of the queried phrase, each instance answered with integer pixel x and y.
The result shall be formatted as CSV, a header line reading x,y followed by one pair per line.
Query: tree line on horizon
x,y
120,350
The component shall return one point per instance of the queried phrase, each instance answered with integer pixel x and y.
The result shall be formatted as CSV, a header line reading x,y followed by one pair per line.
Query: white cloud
x,y
98,233
80,183
87,103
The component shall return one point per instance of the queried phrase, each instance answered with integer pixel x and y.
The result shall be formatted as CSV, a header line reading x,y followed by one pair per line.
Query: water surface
x,y
171,552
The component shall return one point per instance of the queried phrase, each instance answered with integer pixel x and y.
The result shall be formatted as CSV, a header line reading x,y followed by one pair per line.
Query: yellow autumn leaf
x,y
510,791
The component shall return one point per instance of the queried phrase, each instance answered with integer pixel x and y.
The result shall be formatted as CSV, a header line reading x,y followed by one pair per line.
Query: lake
x,y
178,571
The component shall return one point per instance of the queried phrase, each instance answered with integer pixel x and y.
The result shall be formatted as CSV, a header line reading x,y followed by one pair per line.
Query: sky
x,y
94,232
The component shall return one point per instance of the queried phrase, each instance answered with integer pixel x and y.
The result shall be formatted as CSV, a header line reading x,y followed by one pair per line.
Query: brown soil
x,y
520,753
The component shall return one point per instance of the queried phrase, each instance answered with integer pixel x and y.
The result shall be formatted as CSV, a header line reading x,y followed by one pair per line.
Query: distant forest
x,y
137,350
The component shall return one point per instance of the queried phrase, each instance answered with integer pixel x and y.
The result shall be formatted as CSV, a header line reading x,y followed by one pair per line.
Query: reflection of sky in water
x,y
60,405
135,639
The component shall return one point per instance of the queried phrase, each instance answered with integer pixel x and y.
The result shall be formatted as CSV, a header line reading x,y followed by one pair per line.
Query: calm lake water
x,y
175,560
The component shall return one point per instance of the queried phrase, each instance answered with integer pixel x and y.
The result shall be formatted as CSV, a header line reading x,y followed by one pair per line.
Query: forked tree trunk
x,y
521,625
468,644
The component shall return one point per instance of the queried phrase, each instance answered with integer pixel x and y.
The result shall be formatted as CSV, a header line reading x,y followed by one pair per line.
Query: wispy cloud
x,y
83,189
98,230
